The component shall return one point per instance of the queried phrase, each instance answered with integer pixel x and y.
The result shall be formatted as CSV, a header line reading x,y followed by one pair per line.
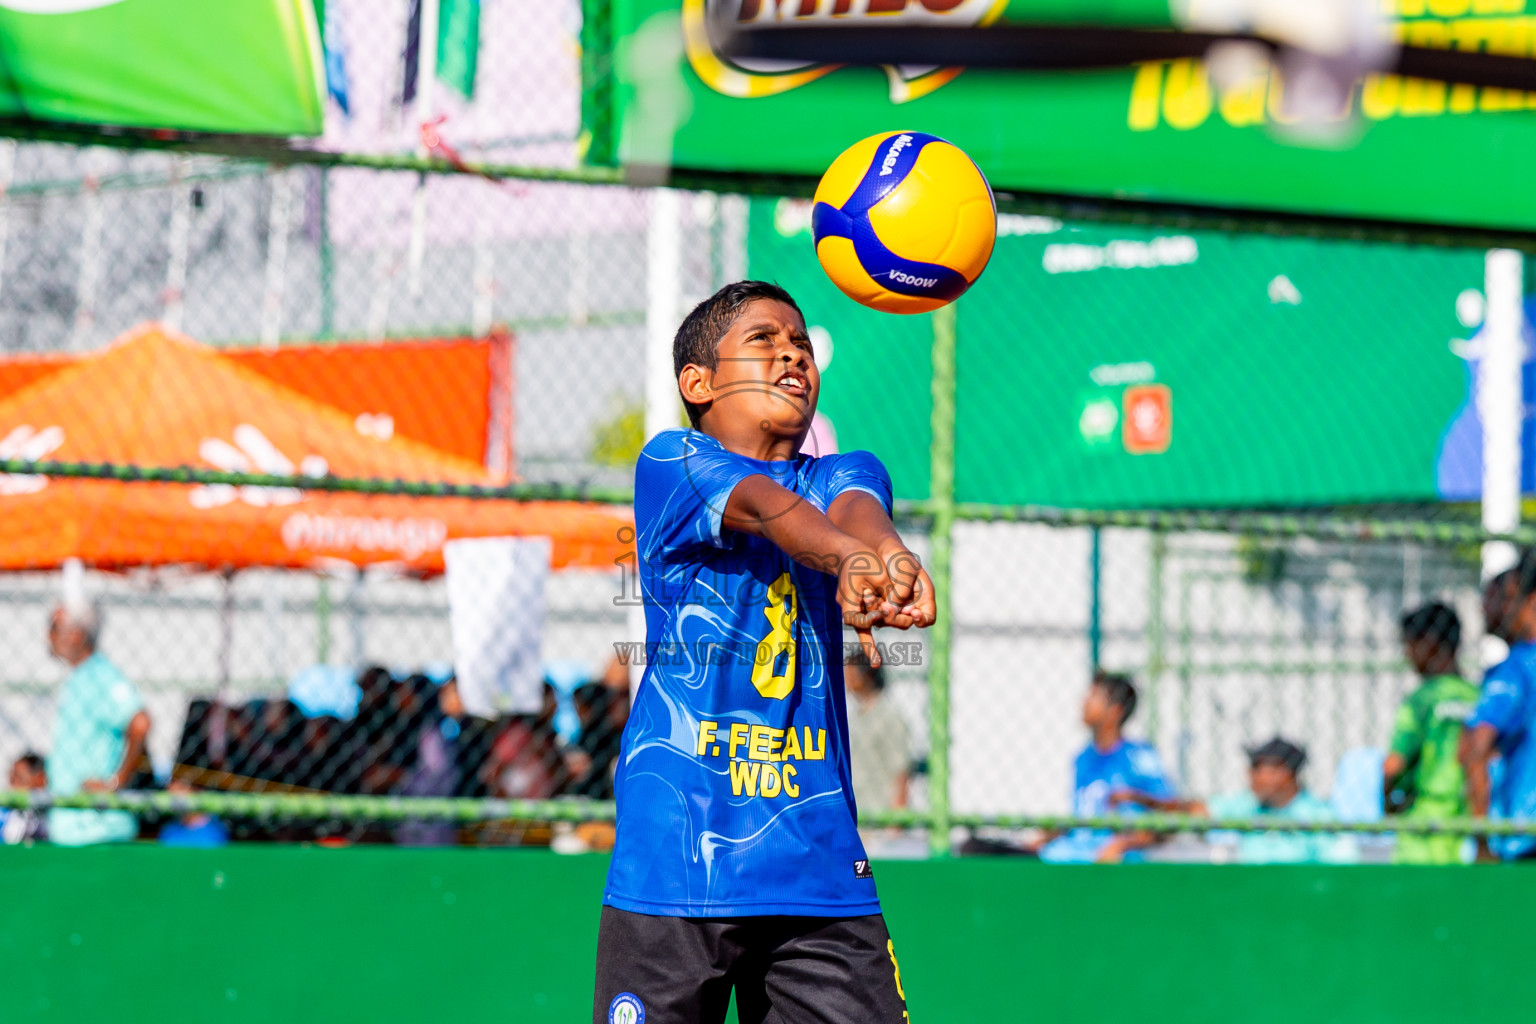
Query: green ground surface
x,y
297,934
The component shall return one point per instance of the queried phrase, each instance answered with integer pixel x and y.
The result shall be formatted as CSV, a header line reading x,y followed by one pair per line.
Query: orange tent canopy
x,y
158,399
18,371
454,394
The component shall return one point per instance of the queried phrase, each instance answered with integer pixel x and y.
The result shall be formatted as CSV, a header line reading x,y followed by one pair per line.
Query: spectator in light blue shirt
x,y
1505,719
1110,763
99,731
1274,792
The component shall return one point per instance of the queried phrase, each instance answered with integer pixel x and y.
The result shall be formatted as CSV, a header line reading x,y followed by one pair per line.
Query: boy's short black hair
x,y
34,761
1525,572
1120,691
1433,621
698,338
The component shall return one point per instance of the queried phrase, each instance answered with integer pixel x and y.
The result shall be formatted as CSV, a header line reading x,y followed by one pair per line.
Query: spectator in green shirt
x,y
1422,779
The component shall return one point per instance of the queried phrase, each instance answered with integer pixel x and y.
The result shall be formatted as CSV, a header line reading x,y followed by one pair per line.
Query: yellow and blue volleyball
x,y
904,222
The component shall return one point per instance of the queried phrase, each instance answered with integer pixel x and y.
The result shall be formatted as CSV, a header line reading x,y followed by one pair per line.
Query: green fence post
x,y
1155,632
1095,599
941,484
327,260
323,621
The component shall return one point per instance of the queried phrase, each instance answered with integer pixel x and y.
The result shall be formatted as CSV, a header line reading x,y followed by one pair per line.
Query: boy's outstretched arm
x,y
762,508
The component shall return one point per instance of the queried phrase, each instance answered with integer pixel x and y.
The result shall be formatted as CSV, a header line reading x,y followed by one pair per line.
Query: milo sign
x,y
747,78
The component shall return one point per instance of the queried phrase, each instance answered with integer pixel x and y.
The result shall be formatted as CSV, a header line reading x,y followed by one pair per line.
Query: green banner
x,y
1112,367
246,67
1412,150
458,45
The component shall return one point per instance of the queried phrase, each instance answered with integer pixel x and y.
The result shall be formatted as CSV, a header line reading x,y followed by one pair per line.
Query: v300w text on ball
x,y
904,222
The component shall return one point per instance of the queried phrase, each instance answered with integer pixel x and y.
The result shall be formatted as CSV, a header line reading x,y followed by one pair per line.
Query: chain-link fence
x,y
295,683
323,663
1231,639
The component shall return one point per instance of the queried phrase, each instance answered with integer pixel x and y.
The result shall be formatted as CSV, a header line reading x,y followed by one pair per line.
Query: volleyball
x,y
904,222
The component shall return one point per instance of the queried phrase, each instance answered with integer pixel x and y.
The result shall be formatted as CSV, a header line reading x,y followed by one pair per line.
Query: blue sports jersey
x,y
1508,703
733,788
1129,766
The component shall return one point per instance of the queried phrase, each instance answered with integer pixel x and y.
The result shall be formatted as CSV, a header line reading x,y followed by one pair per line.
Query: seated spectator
x,y
23,824
277,742
239,750
1422,780
196,830
1109,764
366,735
472,749
320,752
432,766
193,752
879,742
525,762
1274,792
390,757
99,730
591,759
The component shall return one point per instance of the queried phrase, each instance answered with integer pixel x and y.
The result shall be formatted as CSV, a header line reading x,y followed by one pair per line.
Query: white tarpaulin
x,y
496,609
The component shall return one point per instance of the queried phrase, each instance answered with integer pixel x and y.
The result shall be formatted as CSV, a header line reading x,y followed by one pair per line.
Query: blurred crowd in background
x,y
384,734
404,734
1456,750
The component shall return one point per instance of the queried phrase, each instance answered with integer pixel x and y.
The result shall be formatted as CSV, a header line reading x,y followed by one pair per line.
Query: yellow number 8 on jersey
x,y
782,609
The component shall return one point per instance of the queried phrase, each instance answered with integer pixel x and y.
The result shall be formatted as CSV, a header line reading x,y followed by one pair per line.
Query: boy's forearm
x,y
860,515
760,507
1172,805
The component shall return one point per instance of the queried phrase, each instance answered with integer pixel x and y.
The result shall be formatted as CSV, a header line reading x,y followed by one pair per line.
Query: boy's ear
x,y
697,384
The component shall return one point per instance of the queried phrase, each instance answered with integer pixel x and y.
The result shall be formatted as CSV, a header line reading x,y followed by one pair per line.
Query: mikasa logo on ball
x,y
901,143
749,79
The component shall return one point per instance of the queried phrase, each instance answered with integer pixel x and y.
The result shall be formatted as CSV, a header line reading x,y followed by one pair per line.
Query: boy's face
x,y
1500,608
1424,653
1098,710
766,371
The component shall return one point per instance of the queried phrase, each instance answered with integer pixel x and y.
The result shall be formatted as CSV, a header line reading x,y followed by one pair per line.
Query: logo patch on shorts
x,y
626,1008
861,869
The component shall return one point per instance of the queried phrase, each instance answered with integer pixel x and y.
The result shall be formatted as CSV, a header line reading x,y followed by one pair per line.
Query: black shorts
x,y
784,970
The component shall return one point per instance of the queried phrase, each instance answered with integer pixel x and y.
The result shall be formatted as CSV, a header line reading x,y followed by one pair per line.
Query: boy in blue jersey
x,y
1505,718
737,864
1108,777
